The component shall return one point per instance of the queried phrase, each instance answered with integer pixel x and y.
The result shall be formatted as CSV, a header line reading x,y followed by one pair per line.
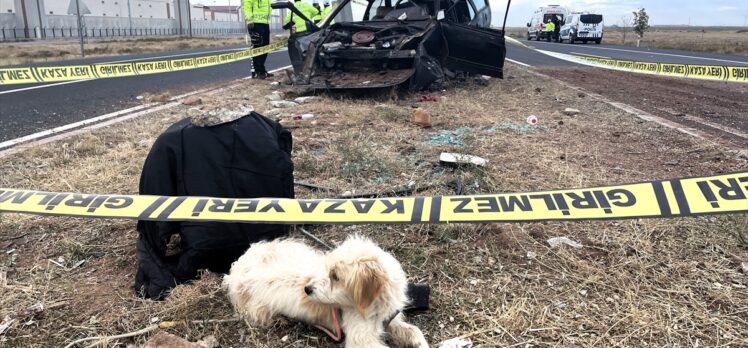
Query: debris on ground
x,y
272,112
157,98
305,100
192,100
532,119
449,137
167,340
275,96
5,325
744,266
556,241
282,104
206,118
303,117
519,128
209,341
458,159
456,342
428,98
421,117
571,112
531,255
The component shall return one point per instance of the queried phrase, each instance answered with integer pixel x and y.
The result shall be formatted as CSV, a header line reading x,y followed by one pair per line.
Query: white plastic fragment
x,y
458,158
304,100
556,241
456,342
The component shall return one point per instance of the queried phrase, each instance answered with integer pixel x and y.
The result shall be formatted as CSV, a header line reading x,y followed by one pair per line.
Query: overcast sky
x,y
661,12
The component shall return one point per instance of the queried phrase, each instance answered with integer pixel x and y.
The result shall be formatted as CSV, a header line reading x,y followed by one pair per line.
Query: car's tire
x,y
528,36
573,39
598,41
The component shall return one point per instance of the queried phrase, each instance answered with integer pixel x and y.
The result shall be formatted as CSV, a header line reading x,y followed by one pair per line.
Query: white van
x,y
536,25
582,27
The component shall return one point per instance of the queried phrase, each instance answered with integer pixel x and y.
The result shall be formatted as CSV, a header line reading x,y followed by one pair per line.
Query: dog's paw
x,y
407,335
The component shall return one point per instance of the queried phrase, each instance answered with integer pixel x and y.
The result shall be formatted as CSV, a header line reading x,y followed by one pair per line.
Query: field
x,y
51,51
713,39
634,283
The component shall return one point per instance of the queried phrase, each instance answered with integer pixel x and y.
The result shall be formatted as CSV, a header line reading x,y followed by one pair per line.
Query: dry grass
x,y
52,51
720,40
636,283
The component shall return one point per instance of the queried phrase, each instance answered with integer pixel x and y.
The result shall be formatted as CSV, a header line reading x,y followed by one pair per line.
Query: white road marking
x,y
42,86
110,118
664,54
520,63
591,55
76,81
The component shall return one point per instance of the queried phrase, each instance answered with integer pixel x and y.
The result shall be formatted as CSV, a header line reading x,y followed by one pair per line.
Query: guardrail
x,y
15,34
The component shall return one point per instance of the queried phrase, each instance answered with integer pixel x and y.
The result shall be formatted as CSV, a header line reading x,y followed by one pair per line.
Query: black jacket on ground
x,y
246,158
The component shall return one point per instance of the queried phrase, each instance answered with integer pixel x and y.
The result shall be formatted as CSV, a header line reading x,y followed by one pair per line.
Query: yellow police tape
x,y
718,194
98,71
692,71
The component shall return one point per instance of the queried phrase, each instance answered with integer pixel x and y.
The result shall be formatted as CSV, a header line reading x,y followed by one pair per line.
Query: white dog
x,y
358,287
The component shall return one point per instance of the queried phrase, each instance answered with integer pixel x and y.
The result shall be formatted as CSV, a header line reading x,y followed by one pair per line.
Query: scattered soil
x,y
694,103
635,283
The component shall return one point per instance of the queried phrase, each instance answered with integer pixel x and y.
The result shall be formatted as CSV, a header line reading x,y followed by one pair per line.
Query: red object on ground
x,y
425,98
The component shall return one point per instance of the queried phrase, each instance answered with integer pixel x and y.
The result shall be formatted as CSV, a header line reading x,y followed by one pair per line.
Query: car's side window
x,y
479,4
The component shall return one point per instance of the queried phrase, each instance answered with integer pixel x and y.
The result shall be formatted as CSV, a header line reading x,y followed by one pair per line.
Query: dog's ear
x,y
369,281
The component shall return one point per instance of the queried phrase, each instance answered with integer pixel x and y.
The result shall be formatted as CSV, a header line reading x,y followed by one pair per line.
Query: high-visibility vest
x,y
257,11
318,15
549,27
326,11
304,7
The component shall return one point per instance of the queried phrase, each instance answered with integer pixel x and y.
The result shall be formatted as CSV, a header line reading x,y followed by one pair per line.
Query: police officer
x,y
294,22
326,11
257,16
318,12
550,28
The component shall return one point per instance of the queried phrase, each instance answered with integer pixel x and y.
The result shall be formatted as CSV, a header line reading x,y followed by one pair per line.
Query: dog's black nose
x,y
308,290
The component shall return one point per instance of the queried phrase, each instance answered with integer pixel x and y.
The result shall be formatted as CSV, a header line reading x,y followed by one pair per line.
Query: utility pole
x,y
80,26
129,16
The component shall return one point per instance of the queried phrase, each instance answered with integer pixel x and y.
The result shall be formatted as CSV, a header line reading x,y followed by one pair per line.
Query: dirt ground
x,y
53,51
718,108
635,283
713,39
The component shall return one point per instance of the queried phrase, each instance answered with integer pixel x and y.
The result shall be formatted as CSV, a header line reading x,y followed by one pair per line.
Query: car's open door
x,y
474,50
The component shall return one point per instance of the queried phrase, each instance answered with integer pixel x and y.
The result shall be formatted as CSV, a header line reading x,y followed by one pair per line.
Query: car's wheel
x,y
573,38
537,35
528,36
598,41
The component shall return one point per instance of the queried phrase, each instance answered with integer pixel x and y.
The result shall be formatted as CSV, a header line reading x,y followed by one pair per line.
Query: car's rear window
x,y
591,18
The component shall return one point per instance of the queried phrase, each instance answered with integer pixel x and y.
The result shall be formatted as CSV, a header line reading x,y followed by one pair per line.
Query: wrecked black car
x,y
414,43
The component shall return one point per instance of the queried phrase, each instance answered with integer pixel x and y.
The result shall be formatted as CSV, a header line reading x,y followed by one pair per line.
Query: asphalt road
x,y
640,54
30,108
26,109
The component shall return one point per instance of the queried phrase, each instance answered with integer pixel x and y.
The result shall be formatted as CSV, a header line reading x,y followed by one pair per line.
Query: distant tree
x,y
625,26
641,22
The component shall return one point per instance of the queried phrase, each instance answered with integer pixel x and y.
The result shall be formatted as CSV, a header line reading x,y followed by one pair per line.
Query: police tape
x,y
656,199
98,71
692,71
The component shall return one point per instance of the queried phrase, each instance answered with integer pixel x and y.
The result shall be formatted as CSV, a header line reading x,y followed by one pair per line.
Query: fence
x,y
14,34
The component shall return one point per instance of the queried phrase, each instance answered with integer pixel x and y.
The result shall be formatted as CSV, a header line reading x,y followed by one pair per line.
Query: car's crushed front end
x,y
402,46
